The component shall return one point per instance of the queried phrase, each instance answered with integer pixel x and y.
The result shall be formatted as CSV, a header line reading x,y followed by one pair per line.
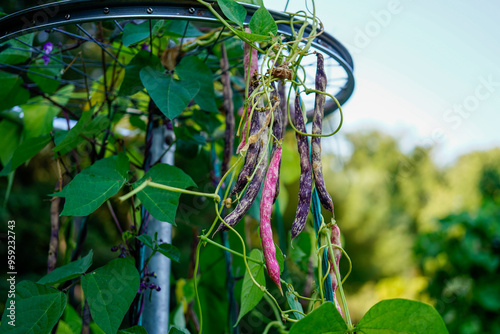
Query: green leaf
x,y
39,75
162,204
12,92
193,70
250,293
294,303
18,52
176,28
39,114
69,271
85,127
262,23
170,95
134,33
280,258
9,140
253,37
175,330
324,319
24,152
146,240
169,251
401,316
94,185
133,330
64,328
132,80
233,11
37,309
110,291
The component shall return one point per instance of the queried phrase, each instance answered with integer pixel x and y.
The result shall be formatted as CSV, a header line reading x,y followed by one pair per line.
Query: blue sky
x,y
427,72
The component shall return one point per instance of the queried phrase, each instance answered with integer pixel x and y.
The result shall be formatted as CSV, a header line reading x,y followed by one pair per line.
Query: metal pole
x,y
156,310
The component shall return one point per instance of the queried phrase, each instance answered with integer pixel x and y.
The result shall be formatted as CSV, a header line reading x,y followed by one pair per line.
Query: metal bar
x,y
156,310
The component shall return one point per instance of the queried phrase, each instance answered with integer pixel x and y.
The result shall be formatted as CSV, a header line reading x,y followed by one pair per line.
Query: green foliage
x,y
109,291
86,127
251,294
262,23
324,319
18,50
194,72
27,150
401,316
160,203
170,95
233,11
132,81
462,258
45,305
94,185
13,93
67,272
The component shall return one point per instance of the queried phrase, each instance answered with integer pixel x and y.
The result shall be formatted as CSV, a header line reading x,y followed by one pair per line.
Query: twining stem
x,y
210,241
150,183
327,234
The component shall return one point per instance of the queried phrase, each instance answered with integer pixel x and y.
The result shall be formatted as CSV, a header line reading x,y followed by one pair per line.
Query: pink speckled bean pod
x,y
266,208
335,239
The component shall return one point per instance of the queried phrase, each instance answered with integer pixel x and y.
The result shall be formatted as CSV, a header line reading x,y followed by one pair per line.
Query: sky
x,y
427,72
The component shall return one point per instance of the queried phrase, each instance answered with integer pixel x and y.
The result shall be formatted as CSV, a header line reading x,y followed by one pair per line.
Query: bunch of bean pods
x,y
264,123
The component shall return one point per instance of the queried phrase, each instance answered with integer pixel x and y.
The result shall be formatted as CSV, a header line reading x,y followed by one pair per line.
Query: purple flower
x,y
47,49
145,46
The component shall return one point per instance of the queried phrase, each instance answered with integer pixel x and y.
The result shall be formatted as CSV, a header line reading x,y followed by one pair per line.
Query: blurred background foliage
x,y
412,229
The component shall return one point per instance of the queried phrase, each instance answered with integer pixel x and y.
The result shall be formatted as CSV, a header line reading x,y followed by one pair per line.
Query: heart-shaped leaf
x,y
233,11
324,319
94,185
170,95
69,271
110,291
162,204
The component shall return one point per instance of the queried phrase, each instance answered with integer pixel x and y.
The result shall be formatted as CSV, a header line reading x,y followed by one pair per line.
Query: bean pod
x,y
337,253
278,131
266,208
317,126
305,182
229,110
253,187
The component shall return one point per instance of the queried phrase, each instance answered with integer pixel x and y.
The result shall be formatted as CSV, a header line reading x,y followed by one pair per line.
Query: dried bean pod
x,y
337,253
253,187
266,208
317,128
229,109
305,188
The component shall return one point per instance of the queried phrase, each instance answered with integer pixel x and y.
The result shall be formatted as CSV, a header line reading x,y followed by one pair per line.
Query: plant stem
x,y
339,281
150,183
184,191
210,241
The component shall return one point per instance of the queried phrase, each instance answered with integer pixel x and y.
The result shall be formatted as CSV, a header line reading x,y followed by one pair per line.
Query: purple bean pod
x,y
229,109
252,152
253,187
305,182
317,128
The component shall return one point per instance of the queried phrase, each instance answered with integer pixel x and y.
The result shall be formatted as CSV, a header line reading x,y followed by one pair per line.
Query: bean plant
x,y
230,95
